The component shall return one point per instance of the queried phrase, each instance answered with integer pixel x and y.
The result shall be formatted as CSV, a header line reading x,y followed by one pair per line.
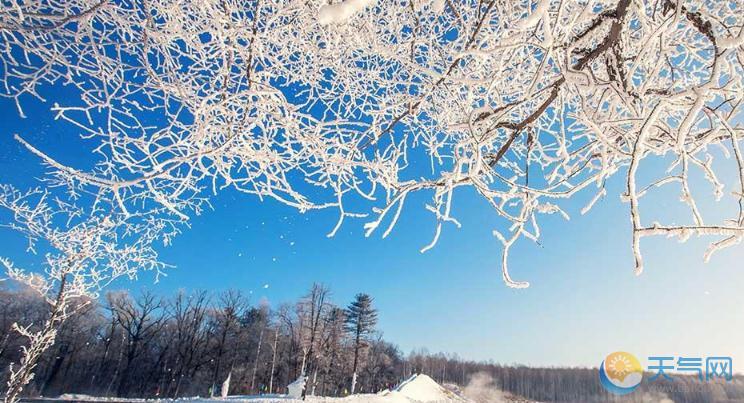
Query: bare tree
x,y
332,350
141,320
189,313
225,324
311,311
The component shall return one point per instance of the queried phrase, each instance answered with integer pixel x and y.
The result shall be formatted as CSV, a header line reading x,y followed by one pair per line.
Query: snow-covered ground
x,y
416,389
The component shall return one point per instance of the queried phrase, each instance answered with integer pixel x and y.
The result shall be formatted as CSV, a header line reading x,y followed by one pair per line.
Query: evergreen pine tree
x,y
361,319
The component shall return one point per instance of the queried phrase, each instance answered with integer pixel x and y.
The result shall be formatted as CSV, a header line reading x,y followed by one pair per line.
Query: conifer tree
x,y
361,319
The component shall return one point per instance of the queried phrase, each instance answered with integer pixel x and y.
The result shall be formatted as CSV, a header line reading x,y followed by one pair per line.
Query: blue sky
x,y
584,301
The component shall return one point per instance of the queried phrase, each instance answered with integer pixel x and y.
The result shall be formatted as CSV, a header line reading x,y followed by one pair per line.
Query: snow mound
x,y
421,388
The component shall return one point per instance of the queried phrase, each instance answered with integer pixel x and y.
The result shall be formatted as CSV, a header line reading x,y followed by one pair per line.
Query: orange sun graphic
x,y
620,365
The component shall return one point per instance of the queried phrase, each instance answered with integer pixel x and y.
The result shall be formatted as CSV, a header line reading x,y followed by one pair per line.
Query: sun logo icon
x,y
620,373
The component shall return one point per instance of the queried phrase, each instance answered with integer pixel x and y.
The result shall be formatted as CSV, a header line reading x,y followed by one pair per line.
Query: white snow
x,y
731,42
421,388
539,12
295,388
226,386
416,389
437,6
341,12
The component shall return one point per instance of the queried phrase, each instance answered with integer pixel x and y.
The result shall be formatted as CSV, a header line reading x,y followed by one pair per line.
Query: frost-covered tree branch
x,y
81,250
339,104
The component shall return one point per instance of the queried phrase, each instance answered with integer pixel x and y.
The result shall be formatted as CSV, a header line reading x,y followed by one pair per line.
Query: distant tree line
x,y
144,345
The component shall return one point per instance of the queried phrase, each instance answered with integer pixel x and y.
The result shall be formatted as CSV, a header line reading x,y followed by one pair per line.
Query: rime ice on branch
x,y
81,250
320,104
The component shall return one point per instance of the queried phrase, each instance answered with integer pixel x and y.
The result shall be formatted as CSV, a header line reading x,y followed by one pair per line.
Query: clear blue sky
x,y
584,301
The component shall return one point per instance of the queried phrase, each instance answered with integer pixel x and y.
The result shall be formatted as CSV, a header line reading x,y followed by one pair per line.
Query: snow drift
x,y
416,389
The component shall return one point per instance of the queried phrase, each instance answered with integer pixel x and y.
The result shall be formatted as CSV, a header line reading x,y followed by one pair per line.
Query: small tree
x,y
82,250
361,319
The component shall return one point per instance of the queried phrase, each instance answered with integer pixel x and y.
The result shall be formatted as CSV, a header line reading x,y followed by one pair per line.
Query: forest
x,y
147,345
